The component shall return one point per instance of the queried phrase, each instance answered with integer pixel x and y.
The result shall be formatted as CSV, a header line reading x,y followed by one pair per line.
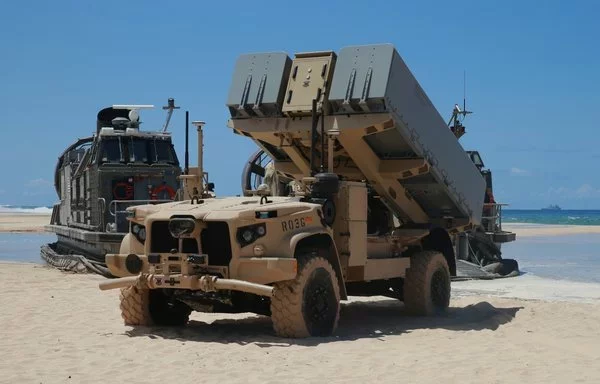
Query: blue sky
x,y
532,79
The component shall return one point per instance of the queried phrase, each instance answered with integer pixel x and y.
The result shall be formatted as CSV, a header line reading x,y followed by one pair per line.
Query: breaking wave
x,y
564,217
25,209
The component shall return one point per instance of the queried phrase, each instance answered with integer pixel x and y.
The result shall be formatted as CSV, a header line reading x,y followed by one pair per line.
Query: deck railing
x,y
117,208
492,217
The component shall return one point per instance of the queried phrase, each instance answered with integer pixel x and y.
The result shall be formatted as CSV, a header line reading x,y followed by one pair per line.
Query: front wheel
x,y
140,306
309,305
427,284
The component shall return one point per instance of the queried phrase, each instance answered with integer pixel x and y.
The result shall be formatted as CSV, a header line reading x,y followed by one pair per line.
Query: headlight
x,y
142,234
248,234
139,231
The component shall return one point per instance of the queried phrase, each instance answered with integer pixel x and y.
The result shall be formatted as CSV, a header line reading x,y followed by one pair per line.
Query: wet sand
x,y
529,230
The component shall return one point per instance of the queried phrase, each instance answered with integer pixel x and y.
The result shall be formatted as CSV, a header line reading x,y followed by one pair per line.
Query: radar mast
x,y
455,122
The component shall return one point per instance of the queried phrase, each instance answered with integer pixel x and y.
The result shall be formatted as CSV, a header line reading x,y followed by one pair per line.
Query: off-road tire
x,y
150,307
295,302
427,284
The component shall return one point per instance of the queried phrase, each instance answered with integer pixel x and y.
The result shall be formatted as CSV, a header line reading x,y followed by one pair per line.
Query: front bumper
x,y
204,283
258,270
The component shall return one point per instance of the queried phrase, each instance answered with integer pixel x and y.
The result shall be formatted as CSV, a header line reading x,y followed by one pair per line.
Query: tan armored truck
x,y
365,192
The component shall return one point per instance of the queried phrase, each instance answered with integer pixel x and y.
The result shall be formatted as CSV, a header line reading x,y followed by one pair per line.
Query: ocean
x,y
530,216
536,216
566,257
563,257
25,209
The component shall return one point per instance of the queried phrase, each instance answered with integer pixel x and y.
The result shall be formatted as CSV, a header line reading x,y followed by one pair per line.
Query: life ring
x,y
123,191
161,188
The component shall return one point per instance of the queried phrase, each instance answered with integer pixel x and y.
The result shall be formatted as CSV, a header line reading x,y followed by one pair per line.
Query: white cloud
x,y
38,187
585,191
519,172
38,183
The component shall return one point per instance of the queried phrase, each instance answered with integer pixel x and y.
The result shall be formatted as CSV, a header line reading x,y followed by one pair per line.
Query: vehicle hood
x,y
225,208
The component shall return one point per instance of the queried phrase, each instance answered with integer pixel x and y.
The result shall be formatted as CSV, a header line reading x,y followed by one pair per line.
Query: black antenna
x,y
322,140
465,90
464,111
187,133
313,136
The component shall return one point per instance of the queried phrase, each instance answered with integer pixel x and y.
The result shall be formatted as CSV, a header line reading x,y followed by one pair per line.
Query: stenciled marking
x,y
289,225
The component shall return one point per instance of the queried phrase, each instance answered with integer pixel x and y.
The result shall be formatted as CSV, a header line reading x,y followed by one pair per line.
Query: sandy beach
x,y
10,222
60,328
529,230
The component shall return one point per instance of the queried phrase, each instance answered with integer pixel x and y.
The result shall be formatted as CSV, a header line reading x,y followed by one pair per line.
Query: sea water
x,y
567,257
570,257
537,216
23,247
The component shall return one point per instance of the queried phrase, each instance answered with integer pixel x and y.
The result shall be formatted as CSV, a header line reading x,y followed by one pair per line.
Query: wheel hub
x,y
319,307
317,304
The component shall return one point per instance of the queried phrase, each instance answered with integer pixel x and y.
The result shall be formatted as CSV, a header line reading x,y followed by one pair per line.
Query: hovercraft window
x,y
138,150
111,151
163,152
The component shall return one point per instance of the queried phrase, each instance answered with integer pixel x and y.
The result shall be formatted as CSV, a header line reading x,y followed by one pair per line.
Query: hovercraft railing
x,y
115,212
492,217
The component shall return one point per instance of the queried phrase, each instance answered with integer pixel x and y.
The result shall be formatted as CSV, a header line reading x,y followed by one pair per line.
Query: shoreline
x,y
23,222
35,222
531,230
527,286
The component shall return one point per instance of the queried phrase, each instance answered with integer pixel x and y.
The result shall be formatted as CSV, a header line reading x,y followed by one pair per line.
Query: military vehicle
x,y
478,250
99,176
378,187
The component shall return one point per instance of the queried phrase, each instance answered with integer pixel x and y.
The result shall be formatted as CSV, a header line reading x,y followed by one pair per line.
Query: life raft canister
x,y
161,189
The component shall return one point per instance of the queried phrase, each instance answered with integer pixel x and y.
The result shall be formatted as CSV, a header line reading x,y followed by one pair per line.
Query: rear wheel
x,y
151,307
309,305
427,284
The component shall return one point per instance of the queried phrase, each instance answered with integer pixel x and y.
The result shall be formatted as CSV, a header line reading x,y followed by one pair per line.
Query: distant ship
x,y
552,208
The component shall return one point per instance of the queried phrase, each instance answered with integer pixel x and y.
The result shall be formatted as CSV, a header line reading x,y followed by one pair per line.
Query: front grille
x,y
216,243
163,242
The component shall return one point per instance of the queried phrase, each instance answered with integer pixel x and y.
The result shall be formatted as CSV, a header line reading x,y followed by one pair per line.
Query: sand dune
x,y
59,328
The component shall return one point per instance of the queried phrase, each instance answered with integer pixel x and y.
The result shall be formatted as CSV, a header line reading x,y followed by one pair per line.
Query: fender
x,y
321,239
130,244
296,238
439,240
